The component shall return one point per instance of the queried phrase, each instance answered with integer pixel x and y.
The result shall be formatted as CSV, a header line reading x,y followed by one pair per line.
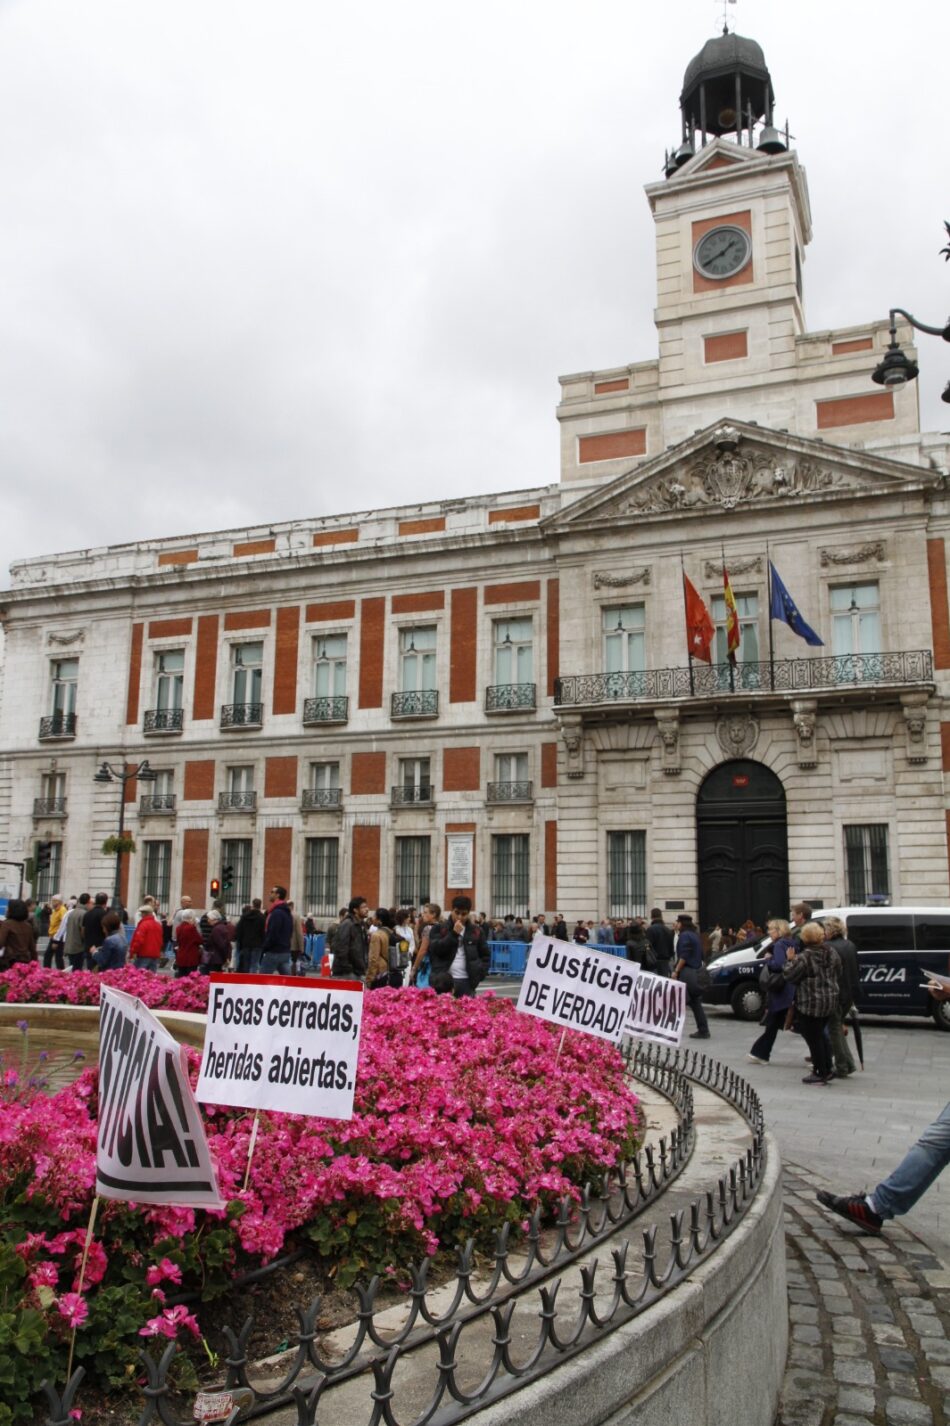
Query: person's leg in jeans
x,y
275,963
916,1171
255,962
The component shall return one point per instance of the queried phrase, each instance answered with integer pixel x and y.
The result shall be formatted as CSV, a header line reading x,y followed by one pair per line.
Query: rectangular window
x,y
157,871
236,854
624,638
412,871
65,680
856,618
169,678
321,876
246,672
414,776
510,875
866,862
513,648
747,607
329,666
48,878
511,767
417,659
240,779
53,790
325,777
626,873
164,784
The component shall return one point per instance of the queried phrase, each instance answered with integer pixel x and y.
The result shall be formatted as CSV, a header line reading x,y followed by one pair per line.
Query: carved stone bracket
x,y
620,581
804,711
749,566
914,708
668,727
573,736
737,733
858,554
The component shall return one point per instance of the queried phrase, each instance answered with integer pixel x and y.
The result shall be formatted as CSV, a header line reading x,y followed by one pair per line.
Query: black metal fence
x,y
838,671
521,1270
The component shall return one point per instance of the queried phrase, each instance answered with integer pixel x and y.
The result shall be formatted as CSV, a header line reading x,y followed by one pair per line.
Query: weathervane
x,y
725,13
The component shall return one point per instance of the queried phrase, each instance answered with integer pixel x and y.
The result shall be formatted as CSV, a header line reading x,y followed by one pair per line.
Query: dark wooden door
x,y
741,846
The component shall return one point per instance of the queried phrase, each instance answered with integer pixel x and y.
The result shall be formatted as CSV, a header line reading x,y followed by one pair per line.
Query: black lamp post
x,y
122,775
896,368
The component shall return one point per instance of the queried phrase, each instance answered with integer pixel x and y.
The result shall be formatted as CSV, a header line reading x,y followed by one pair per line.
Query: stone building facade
x,y
493,694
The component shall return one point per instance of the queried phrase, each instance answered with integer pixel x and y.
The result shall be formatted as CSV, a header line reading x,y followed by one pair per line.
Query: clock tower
x,y
732,221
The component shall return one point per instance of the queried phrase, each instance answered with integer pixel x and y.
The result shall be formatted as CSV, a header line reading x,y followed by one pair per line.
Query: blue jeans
x,y
249,962
275,963
918,1169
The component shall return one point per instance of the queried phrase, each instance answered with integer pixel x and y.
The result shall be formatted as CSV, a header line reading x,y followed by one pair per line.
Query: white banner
x,y
577,988
282,1042
151,1144
657,1010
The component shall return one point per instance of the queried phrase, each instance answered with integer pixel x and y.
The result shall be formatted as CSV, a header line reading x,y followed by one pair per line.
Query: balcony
x,y
49,807
242,715
318,799
510,698
157,804
163,720
420,796
58,726
840,674
509,792
237,801
325,710
424,704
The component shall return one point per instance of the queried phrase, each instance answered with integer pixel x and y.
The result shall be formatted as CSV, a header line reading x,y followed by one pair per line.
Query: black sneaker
x,y
814,1079
855,1209
700,1035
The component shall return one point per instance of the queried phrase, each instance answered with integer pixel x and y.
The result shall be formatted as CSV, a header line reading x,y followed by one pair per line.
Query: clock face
x,y
722,251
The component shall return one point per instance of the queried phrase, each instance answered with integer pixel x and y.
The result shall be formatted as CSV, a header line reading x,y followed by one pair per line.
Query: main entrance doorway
x,y
741,846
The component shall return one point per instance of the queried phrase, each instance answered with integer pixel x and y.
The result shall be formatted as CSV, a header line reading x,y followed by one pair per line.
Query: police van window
x,y
881,933
933,932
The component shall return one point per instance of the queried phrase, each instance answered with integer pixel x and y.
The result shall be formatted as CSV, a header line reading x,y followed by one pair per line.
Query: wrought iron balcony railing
x,y
49,807
313,798
326,710
510,697
58,725
163,720
509,791
409,796
242,715
237,801
794,676
424,704
157,803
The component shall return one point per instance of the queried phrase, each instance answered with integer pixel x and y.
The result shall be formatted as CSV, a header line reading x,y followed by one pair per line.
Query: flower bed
x,y
465,1118
33,985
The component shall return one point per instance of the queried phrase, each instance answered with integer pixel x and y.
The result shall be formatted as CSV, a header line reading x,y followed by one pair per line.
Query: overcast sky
x,y
275,260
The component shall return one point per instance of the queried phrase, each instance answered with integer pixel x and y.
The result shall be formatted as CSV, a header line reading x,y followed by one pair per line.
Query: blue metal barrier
x,y
511,957
314,947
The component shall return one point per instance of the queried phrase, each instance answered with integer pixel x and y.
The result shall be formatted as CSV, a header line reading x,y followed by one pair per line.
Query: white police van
x,y
895,944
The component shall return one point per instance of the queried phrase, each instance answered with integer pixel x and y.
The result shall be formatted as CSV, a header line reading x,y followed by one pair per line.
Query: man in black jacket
x,y
661,942
92,932
249,938
350,944
459,948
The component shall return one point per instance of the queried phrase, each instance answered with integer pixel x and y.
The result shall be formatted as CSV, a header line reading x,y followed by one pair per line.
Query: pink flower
x,y
73,1307
163,1271
167,1323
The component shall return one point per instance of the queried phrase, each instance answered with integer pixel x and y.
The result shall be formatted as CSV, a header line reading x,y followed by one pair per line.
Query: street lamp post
x,y
123,775
895,367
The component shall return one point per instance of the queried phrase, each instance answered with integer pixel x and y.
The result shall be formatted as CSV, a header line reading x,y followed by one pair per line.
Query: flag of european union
x,y
784,607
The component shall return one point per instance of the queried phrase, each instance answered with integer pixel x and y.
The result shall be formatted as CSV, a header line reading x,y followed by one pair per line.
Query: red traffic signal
x,y
215,886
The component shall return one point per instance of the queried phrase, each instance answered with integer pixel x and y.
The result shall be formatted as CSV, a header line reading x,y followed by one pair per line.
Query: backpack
x,y
398,951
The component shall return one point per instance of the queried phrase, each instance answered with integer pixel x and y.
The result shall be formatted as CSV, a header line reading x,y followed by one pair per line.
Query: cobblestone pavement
x,y
868,1321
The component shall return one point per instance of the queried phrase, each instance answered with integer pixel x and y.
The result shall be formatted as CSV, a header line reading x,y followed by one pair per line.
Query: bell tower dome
x,y
727,91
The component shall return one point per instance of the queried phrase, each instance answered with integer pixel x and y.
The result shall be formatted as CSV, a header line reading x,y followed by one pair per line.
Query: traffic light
x,y
227,877
215,886
44,855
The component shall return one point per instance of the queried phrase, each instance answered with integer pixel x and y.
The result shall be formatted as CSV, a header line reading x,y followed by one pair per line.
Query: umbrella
x,y
852,1019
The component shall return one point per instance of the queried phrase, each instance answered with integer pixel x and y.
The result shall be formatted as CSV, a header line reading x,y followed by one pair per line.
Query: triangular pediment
x,y
734,465
720,153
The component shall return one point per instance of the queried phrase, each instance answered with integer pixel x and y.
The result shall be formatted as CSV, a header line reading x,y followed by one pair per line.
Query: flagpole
x,y
729,657
768,575
689,649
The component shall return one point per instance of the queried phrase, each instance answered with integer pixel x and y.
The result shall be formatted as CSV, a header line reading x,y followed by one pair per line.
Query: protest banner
x,y
282,1042
657,1009
151,1144
577,988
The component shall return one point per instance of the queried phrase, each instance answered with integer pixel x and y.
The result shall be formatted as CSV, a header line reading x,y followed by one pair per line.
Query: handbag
x,y
703,980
